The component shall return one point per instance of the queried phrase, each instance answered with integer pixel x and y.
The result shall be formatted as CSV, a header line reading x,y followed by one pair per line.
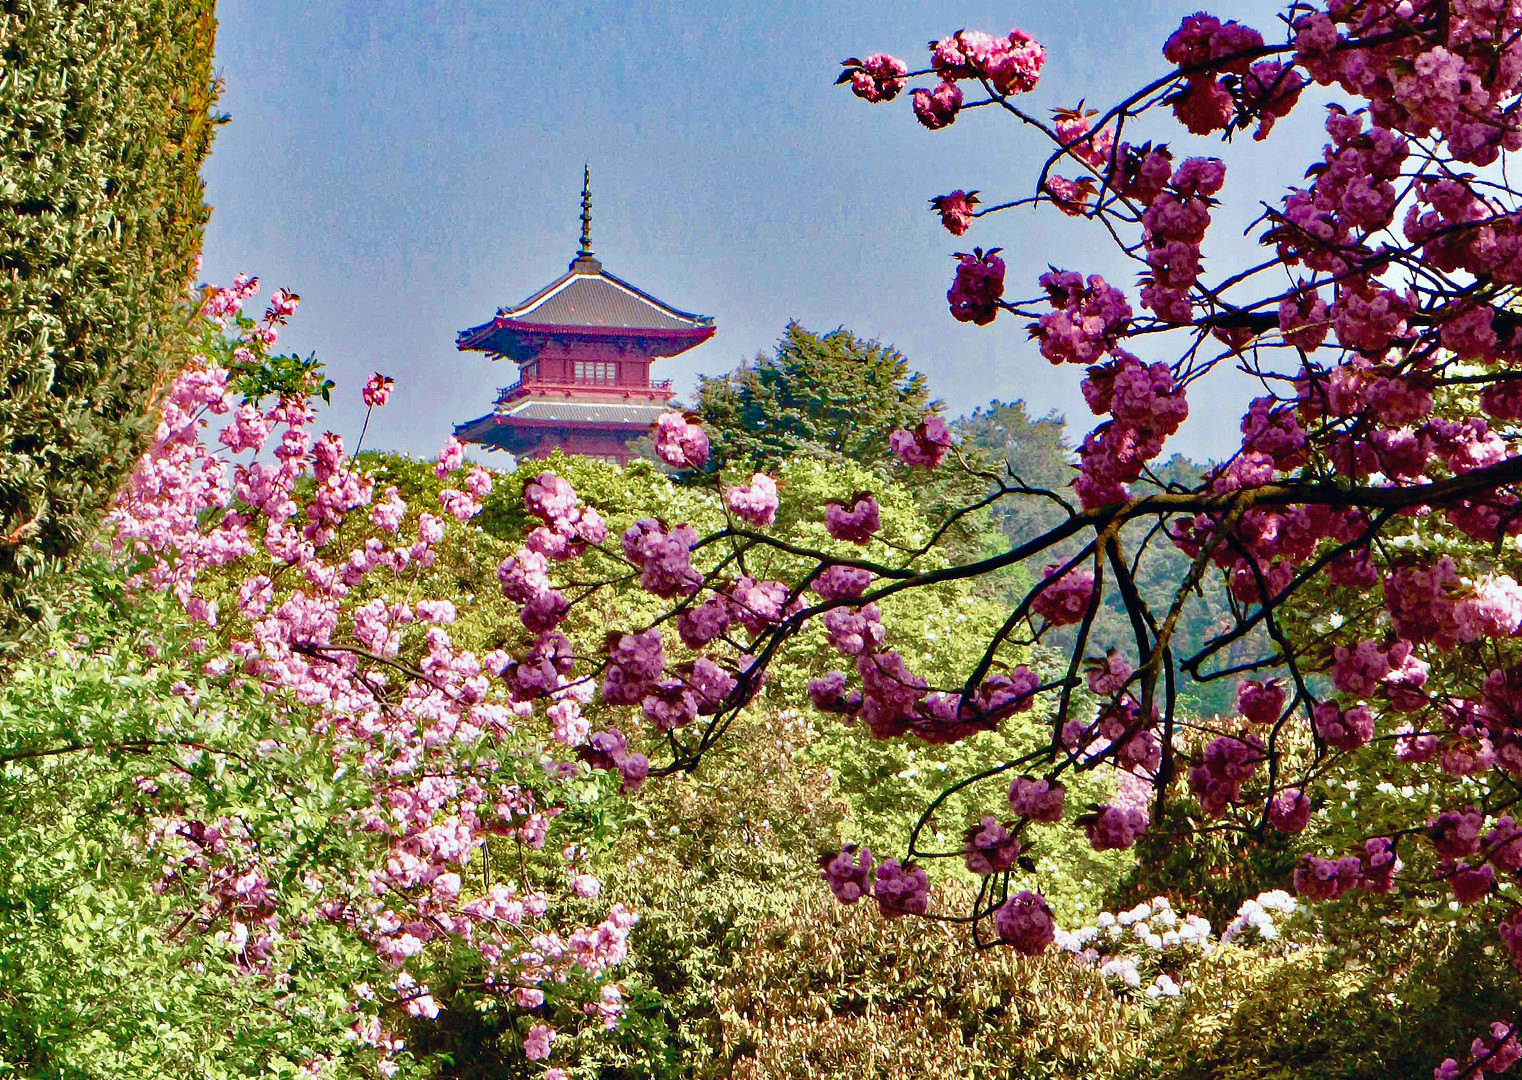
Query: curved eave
x,y
475,431
510,337
500,421
493,427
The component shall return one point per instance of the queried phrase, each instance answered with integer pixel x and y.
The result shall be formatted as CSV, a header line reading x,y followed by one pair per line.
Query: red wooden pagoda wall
x,y
558,366
600,444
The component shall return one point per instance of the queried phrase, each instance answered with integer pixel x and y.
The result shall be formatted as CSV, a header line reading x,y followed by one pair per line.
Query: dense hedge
x,y
104,122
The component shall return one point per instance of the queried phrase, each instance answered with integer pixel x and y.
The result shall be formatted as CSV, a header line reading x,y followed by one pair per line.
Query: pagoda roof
x,y
584,412
597,298
587,302
591,302
538,412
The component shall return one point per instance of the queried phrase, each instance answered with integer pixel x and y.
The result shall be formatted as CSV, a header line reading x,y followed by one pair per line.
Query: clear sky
x,y
409,167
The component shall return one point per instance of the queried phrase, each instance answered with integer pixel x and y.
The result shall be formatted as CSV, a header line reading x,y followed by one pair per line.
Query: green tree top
x,y
831,395
1036,452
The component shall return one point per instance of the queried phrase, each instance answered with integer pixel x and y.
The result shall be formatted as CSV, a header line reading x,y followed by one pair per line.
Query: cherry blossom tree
x,y
1364,526
308,590
1365,523
1365,529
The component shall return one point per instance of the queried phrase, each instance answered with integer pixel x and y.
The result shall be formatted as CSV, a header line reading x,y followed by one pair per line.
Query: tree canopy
x,y
834,396
372,731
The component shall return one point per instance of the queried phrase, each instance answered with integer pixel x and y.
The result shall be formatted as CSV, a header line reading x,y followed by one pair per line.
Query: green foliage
x,y
831,991
104,122
1214,868
833,396
720,862
101,973
1035,454
1381,1004
742,964
279,377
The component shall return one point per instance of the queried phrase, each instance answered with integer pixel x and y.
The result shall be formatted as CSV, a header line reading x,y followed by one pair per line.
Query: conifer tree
x,y
831,395
104,122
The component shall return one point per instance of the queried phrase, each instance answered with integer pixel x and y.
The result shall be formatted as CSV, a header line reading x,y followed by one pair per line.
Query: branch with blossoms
x,y
310,591
1362,528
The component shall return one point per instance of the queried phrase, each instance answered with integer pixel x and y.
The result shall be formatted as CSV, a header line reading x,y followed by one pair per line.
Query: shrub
x,y
833,990
1381,1006
104,123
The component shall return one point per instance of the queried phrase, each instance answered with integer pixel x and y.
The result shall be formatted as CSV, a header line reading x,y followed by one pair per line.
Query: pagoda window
x,y
529,372
596,371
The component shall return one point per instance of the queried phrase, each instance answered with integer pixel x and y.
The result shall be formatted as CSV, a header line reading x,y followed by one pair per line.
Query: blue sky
x,y
409,167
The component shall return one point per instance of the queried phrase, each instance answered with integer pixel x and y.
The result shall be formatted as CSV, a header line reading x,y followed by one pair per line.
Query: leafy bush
x,y
101,973
1380,1006
831,990
104,123
719,862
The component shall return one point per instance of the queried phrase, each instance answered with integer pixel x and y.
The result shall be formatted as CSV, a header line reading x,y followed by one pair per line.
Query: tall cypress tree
x,y
105,118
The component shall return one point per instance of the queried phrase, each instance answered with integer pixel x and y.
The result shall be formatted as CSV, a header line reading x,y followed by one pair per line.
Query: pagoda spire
x,y
585,261
586,209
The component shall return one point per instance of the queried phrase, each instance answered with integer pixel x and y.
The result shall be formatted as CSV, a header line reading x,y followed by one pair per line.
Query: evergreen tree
x,y
838,397
1035,453
104,122
833,396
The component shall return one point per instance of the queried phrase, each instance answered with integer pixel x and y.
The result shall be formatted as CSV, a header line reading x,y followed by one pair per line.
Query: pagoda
x,y
583,345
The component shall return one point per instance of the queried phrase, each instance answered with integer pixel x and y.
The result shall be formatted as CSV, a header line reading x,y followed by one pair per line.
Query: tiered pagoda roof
x,y
587,302
552,413
584,344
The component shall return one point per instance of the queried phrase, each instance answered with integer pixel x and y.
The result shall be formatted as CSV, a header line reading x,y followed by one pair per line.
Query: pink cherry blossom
x,y
756,503
1289,811
938,108
680,443
451,457
377,390
926,446
536,1046
1115,828
901,889
1066,600
848,873
879,77
1039,800
855,521
1025,921
974,294
989,848
956,210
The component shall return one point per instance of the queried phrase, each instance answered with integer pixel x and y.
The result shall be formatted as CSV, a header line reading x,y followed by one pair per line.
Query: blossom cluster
x,y
1376,469
1393,396
1005,66
309,588
893,701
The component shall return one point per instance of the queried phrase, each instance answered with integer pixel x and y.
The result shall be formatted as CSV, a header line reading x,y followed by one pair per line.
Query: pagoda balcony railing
x,y
605,387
